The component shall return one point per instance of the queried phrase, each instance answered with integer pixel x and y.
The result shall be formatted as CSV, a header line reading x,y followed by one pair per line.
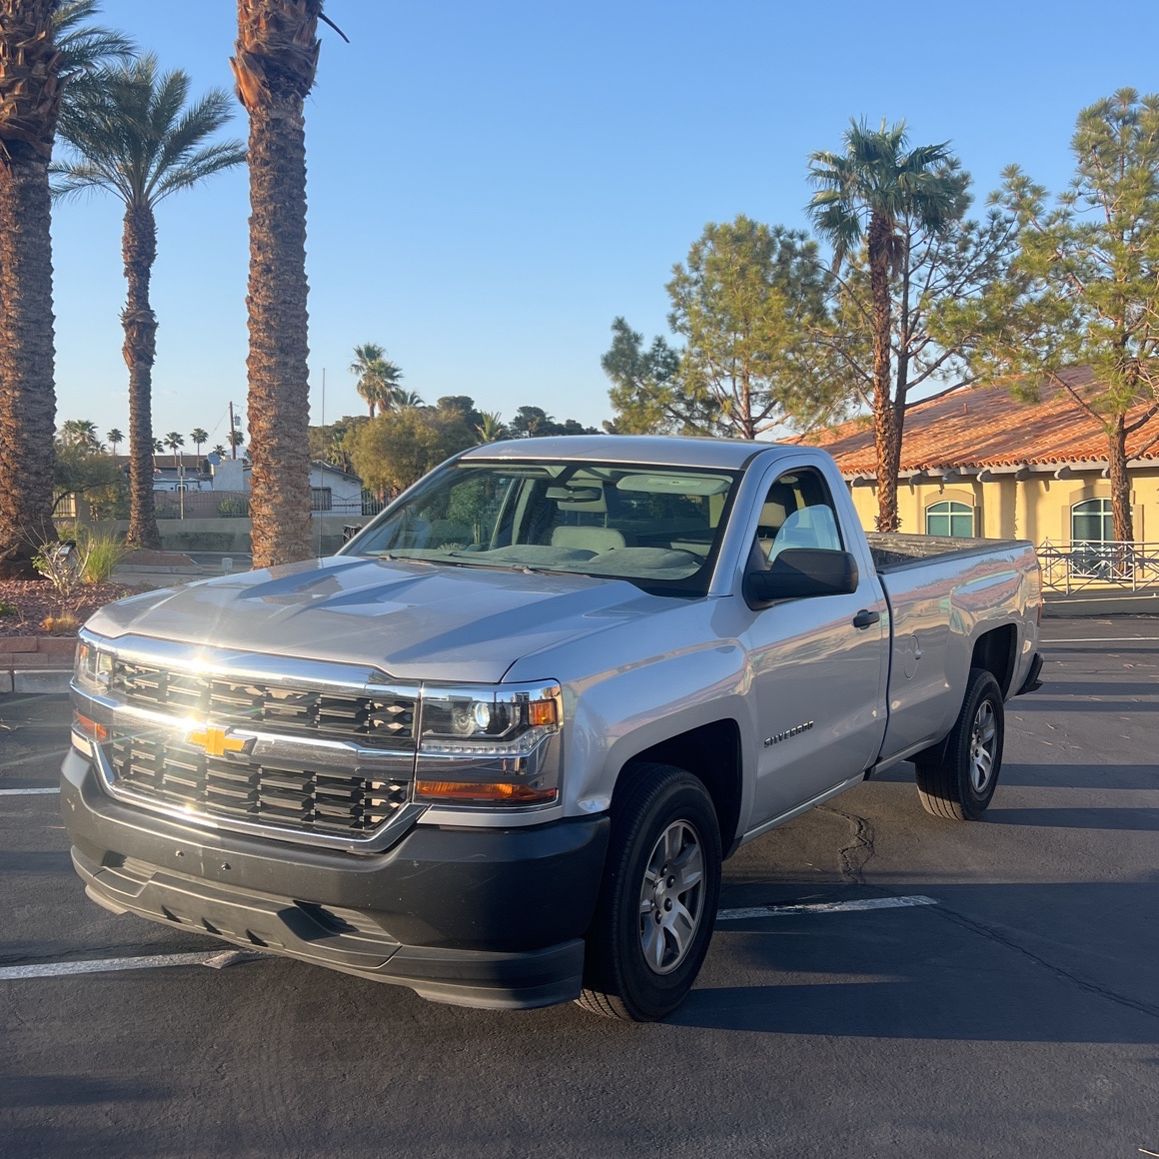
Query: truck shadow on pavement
x,y
70,1090
1146,820
1056,776
1058,962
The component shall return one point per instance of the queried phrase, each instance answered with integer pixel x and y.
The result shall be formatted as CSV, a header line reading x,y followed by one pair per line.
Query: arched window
x,y
950,518
1091,522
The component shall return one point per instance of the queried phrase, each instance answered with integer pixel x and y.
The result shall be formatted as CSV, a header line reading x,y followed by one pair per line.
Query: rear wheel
x,y
658,901
958,782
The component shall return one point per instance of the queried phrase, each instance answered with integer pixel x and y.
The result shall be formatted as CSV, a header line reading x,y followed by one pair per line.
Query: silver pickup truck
x,y
497,748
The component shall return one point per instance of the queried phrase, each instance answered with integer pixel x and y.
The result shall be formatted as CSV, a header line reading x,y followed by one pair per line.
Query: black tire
x,y
954,781
663,816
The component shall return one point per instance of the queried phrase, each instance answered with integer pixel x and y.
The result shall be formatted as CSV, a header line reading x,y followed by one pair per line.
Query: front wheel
x,y
658,900
959,784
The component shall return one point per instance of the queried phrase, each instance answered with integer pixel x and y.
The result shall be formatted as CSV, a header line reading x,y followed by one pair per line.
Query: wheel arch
x,y
996,650
711,752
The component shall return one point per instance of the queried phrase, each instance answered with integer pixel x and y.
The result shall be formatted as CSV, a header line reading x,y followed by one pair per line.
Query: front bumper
x,y
477,917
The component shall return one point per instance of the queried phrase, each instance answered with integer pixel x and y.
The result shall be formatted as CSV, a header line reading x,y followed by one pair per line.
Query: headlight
x,y
489,746
94,668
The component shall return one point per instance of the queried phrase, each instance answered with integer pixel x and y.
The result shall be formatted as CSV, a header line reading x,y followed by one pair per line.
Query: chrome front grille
x,y
374,721
166,771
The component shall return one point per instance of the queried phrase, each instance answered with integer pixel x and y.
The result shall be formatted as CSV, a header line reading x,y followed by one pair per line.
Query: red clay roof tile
x,y
985,426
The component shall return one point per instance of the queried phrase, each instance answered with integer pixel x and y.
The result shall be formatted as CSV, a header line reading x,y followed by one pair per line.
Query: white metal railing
x,y
1087,564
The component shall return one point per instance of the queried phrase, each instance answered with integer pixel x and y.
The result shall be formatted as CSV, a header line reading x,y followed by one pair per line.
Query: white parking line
x,y
216,959
103,965
28,792
823,907
1104,640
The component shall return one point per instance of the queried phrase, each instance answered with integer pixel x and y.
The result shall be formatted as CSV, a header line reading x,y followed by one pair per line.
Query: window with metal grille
x,y
1091,521
950,517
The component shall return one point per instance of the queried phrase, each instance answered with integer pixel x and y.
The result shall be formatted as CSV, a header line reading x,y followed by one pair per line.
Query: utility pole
x,y
232,442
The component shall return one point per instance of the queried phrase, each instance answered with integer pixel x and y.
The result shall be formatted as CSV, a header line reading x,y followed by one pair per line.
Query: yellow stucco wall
x,y
1036,508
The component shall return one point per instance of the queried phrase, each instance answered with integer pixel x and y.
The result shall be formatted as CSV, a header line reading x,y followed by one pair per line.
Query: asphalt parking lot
x,y
1015,1014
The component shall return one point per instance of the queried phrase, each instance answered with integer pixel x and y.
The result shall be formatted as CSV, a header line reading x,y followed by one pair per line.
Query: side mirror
x,y
800,572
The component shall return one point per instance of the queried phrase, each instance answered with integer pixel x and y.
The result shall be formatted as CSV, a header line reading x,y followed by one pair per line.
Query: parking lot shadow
x,y
1055,776
66,1090
1058,962
1145,820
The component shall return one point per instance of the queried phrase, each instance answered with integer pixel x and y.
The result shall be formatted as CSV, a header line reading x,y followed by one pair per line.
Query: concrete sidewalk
x,y
1094,602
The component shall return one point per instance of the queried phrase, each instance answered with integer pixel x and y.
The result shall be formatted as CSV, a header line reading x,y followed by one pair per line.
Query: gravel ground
x,y
32,600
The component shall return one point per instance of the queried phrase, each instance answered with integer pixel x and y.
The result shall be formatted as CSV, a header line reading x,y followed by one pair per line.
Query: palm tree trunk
x,y
277,57
139,251
28,103
278,321
27,392
1121,515
886,429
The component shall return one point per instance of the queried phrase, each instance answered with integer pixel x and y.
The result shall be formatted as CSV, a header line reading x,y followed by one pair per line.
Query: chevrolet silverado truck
x,y
497,748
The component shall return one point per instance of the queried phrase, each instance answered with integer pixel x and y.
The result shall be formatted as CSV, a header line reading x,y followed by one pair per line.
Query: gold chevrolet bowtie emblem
x,y
215,741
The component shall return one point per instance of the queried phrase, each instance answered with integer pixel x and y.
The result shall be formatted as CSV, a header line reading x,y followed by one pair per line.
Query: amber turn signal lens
x,y
89,728
483,793
541,712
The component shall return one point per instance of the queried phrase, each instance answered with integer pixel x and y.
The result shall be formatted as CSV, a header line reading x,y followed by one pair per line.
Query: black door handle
x,y
865,617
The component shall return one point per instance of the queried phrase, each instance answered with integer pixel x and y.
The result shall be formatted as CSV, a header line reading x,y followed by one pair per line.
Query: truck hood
x,y
414,621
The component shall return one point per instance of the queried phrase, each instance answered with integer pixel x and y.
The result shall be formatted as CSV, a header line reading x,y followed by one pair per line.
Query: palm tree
x,y
872,191
173,440
115,439
491,429
136,137
158,448
236,438
379,379
367,362
198,437
219,450
80,433
274,64
46,51
29,100
405,400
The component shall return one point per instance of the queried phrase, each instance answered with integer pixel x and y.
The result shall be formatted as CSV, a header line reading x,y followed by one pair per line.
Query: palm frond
x,y
133,135
86,47
197,166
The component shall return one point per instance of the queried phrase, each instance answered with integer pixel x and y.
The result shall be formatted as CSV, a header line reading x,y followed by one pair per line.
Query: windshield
x,y
657,527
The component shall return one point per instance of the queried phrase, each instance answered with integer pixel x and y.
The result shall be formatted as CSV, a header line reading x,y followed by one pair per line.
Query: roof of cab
x,y
653,450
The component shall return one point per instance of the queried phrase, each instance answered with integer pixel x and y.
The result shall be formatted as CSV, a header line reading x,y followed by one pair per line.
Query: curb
x,y
36,681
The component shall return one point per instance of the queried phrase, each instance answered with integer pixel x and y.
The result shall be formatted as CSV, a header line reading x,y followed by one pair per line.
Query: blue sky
x,y
490,184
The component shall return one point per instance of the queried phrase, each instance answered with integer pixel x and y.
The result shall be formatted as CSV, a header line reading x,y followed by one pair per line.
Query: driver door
x,y
818,677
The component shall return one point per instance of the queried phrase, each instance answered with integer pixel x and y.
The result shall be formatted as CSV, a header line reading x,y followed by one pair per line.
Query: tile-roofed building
x,y
977,457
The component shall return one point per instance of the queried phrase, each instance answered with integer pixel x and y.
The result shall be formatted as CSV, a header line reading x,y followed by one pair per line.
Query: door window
x,y
798,512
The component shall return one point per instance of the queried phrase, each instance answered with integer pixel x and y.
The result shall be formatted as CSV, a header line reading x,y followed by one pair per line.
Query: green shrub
x,y
60,564
7,609
100,555
234,505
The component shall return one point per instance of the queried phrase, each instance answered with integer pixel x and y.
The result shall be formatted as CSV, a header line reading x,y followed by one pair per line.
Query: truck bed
x,y
943,594
892,550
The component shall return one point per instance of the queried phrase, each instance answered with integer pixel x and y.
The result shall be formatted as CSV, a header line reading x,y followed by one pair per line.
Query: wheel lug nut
x,y
668,904
671,882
